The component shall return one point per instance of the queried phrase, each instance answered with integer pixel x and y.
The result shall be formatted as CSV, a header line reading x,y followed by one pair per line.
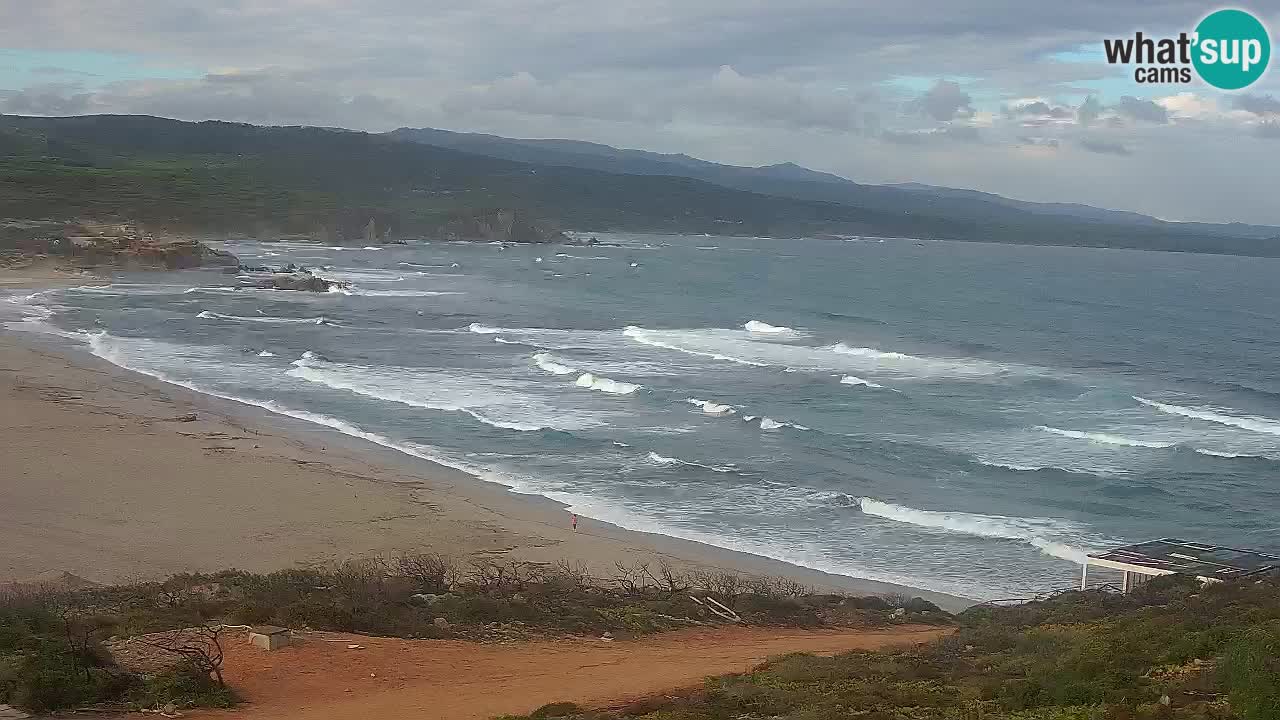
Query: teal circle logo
x,y
1232,49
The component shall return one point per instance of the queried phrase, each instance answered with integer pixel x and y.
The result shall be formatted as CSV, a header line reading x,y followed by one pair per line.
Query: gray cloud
x,y
49,99
1040,108
1144,110
828,83
961,133
945,101
1104,147
1089,110
1039,141
1269,130
1257,104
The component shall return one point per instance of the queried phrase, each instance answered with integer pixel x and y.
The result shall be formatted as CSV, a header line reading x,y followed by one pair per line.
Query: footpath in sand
x,y
321,678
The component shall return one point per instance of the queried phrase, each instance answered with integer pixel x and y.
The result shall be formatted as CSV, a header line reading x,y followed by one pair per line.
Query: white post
x,y
1084,575
1124,583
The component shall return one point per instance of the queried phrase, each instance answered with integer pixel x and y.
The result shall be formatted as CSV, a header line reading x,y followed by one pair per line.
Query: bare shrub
x,y
632,579
431,572
200,647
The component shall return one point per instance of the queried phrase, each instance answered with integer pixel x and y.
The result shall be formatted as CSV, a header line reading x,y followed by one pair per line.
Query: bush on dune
x,y
1172,651
51,643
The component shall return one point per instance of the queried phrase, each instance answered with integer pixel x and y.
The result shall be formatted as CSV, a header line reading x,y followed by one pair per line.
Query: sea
x,y
968,418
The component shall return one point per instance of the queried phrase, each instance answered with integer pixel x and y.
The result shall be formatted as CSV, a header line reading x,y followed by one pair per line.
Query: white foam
x,y
1105,438
647,337
493,401
604,384
393,293
266,353
767,423
1224,454
483,329
1049,535
712,408
665,460
855,380
1221,416
551,364
362,276
208,315
755,349
756,326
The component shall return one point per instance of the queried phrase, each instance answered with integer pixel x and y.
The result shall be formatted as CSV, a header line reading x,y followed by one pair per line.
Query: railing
x,y
1049,595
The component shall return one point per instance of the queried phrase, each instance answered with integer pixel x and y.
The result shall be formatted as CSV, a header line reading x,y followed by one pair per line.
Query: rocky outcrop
x,y
502,225
124,246
291,278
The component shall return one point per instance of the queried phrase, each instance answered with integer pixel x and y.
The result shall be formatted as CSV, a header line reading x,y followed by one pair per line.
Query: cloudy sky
x,y
1008,96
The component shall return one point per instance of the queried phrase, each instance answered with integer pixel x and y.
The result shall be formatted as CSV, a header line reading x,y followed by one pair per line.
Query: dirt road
x,y
323,679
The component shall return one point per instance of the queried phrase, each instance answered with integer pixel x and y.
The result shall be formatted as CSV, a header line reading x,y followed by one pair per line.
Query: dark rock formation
x,y
300,281
117,245
500,225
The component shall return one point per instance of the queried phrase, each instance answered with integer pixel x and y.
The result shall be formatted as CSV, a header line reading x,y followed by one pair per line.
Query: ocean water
x,y
966,418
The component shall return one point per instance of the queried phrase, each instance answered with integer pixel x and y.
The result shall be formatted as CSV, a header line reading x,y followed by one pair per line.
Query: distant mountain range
x,y
791,180
330,184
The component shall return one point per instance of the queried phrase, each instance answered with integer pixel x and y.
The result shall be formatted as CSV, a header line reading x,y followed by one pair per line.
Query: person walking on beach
x,y
574,521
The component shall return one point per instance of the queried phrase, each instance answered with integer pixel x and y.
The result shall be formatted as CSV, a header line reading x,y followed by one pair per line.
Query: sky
x,y
1006,96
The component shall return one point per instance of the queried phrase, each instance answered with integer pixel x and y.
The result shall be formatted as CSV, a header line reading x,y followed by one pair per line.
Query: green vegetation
x,y
52,656
227,177
1172,650
54,646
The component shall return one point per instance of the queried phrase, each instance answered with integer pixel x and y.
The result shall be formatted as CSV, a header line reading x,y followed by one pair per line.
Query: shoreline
x,y
248,488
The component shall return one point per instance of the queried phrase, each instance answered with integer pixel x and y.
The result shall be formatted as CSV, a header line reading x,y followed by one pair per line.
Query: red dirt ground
x,y
320,678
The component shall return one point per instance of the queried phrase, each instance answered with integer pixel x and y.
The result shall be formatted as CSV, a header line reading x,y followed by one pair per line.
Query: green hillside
x,y
217,176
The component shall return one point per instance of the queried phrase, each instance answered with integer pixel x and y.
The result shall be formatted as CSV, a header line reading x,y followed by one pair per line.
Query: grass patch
x,y
53,652
1171,651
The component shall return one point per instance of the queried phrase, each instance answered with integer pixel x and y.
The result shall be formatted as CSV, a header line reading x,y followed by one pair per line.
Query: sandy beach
x,y
111,475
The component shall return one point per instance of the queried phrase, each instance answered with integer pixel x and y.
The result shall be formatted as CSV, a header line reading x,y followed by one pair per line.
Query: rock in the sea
x,y
301,281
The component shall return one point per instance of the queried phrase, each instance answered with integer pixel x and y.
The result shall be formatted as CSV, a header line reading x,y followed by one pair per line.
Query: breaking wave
x,y
1049,535
497,403
1253,423
646,337
771,424
712,408
208,315
604,384
391,293
748,348
664,460
756,326
549,363
1105,438
855,380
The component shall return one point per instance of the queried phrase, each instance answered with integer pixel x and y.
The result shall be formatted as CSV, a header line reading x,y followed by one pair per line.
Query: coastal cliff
x,y
503,225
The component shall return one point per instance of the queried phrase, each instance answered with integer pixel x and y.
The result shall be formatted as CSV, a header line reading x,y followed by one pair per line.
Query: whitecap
x,y
855,380
1221,416
604,384
712,408
757,326
767,423
551,364
209,315
1049,535
665,460
1105,438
